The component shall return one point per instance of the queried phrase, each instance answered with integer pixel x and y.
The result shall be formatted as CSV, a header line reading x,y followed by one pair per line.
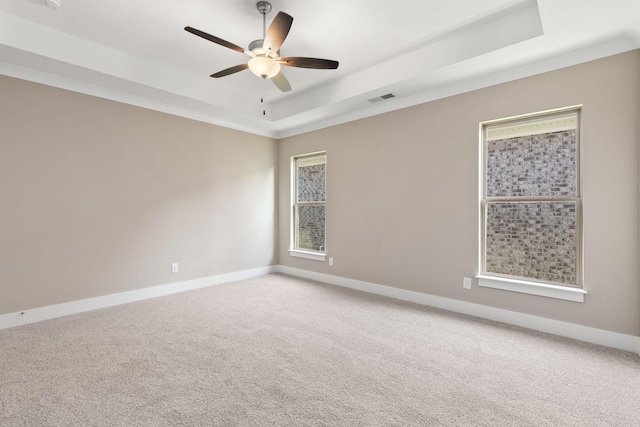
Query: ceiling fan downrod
x,y
264,7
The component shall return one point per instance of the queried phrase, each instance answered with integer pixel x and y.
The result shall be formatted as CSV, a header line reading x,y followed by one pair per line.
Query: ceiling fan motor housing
x,y
256,47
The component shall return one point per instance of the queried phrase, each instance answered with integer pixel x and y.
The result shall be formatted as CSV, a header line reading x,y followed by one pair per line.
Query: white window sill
x,y
533,288
317,256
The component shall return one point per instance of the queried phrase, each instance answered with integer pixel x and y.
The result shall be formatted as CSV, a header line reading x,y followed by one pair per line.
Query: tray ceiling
x,y
137,52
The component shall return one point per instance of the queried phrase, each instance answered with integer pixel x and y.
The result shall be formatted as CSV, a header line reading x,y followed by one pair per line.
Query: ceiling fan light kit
x,y
263,66
265,56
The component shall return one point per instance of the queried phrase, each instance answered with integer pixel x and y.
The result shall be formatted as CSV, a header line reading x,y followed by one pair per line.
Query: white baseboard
x,y
556,327
53,311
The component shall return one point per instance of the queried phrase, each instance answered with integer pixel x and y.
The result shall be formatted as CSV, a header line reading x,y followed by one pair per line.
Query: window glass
x,y
530,201
309,202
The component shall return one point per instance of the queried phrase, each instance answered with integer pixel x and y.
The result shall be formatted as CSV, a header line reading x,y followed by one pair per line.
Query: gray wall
x,y
402,192
100,197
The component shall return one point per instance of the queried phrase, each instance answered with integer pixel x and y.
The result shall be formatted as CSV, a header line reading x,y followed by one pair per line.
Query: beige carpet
x,y
279,351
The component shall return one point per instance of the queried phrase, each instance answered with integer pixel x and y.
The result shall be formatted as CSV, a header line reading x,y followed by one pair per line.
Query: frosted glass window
x,y
535,165
308,216
311,220
536,240
531,199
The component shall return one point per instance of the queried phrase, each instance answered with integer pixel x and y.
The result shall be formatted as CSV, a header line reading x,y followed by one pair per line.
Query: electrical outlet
x,y
466,283
330,261
174,267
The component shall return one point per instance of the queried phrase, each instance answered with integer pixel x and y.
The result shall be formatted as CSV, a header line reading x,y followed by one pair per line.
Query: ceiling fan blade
x,y
322,64
230,70
215,39
277,32
281,82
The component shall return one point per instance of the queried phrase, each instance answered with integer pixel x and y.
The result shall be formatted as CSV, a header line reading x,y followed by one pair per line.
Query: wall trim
x,y
570,330
50,312
565,329
542,289
316,256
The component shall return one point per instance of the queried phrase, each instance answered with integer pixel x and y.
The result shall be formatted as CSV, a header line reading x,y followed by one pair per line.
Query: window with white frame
x,y
531,205
308,201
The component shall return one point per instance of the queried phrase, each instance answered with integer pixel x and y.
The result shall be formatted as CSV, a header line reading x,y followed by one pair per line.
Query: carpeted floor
x,y
281,351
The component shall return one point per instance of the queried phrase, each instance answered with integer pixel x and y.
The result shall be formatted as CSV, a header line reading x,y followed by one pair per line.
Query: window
x,y
308,200
530,205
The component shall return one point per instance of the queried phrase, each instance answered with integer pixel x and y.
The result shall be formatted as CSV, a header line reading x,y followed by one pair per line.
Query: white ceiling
x,y
138,52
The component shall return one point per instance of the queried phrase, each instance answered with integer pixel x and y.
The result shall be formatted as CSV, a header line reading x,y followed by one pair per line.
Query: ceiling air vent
x,y
382,98
53,4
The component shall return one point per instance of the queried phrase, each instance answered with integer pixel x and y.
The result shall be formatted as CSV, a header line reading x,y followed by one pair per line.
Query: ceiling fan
x,y
265,56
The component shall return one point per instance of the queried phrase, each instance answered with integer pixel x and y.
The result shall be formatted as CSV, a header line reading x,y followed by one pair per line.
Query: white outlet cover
x,y
174,267
466,283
